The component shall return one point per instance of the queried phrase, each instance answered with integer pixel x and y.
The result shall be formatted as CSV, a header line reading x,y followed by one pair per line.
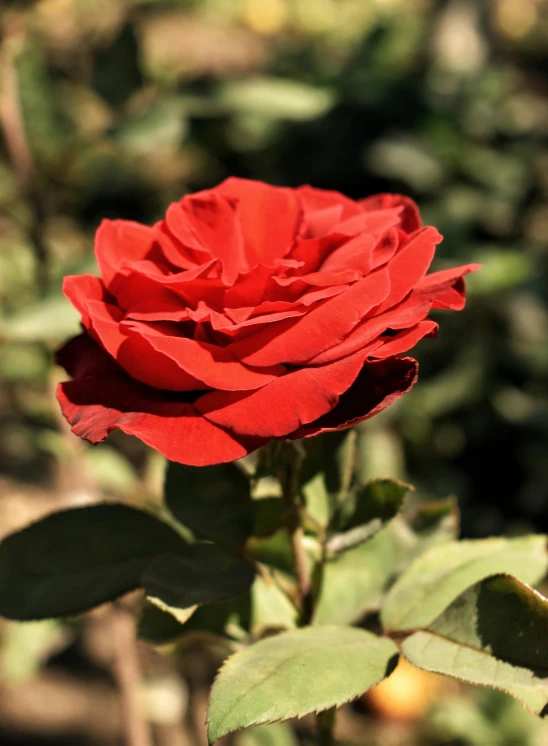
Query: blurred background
x,y
114,108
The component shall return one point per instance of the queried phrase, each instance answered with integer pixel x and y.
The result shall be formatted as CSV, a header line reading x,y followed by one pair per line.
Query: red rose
x,y
251,312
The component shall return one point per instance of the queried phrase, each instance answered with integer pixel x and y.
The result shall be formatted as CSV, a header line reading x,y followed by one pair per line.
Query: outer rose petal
x,y
97,404
378,385
81,357
405,340
410,265
410,217
446,288
288,402
120,242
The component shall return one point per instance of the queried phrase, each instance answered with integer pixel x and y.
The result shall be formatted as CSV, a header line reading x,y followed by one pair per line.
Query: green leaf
x,y
379,499
275,734
277,98
198,574
317,500
294,673
76,559
50,320
214,501
270,608
355,581
436,578
268,516
366,509
493,634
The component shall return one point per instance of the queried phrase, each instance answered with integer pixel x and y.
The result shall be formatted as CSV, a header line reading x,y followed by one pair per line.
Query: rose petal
x,y
96,405
405,340
410,219
314,200
446,288
410,265
284,405
121,242
378,385
208,365
406,314
270,217
297,341
81,357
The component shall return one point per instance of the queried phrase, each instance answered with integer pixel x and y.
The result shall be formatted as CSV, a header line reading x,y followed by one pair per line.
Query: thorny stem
x,y
290,457
127,674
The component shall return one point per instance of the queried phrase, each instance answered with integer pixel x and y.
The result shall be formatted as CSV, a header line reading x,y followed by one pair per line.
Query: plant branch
x,y
128,677
17,145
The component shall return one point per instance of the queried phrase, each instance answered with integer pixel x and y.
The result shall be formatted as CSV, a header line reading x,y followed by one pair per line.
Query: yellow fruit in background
x,y
407,694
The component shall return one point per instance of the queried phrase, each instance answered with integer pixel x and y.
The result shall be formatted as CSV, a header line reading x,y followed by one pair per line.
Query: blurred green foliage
x,y
114,109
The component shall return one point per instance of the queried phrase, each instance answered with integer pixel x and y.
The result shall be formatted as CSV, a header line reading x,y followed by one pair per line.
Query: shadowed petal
x,y
378,385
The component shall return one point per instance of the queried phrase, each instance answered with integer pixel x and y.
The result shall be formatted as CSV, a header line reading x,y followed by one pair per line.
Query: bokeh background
x,y
114,108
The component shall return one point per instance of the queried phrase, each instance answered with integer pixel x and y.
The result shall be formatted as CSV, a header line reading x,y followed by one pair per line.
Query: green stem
x,y
325,723
290,457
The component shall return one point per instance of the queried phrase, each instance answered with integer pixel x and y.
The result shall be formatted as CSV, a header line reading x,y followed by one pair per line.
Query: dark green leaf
x,y
76,559
268,516
295,673
158,626
494,634
198,574
365,510
436,578
214,501
379,499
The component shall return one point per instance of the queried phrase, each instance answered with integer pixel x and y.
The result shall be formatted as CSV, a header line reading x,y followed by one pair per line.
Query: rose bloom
x,y
251,312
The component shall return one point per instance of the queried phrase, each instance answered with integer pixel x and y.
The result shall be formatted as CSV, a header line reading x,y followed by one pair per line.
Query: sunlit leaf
x,y
294,673
436,578
493,634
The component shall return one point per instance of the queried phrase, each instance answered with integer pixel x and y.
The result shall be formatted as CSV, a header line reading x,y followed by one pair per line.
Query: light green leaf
x,y
294,673
276,98
270,608
25,647
494,634
52,319
355,581
317,500
214,501
76,559
436,578
197,574
179,614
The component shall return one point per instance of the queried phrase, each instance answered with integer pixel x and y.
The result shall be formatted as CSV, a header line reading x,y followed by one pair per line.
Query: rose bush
x,y
249,313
